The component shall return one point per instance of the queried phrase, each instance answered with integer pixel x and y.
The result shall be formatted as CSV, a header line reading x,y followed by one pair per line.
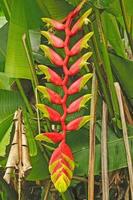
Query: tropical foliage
x,y
107,26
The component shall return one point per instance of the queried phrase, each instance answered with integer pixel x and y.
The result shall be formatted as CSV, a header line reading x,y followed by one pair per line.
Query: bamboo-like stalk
x,y
19,139
13,154
125,136
19,156
92,139
104,161
25,151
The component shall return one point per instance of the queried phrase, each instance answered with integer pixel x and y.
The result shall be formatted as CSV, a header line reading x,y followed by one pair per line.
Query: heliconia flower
x,y
61,164
82,43
81,62
79,84
61,167
51,76
49,113
78,123
55,24
78,103
52,55
53,40
50,137
52,96
83,20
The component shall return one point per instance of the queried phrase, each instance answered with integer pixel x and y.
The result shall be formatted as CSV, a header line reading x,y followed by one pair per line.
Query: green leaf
x,y
123,70
17,65
33,14
5,141
9,191
9,101
116,152
30,126
111,6
35,38
5,5
57,9
39,167
112,33
129,7
4,81
4,125
3,44
73,2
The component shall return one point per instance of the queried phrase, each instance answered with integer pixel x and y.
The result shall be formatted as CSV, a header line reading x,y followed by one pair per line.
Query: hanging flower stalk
x,y
61,165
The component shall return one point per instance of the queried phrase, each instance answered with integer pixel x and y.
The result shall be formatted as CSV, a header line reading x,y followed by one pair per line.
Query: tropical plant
x,y
22,68
61,164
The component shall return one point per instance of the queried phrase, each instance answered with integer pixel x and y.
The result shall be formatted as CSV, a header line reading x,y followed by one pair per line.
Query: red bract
x,y
77,104
78,123
51,76
82,43
52,96
83,20
61,164
51,137
79,84
55,24
54,40
81,62
61,167
49,113
52,55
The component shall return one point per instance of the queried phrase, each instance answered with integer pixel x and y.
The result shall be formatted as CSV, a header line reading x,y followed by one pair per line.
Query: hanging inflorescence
x,y
61,164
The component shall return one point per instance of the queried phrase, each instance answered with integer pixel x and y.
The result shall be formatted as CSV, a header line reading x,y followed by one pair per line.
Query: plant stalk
x,y
104,155
125,137
92,138
47,191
